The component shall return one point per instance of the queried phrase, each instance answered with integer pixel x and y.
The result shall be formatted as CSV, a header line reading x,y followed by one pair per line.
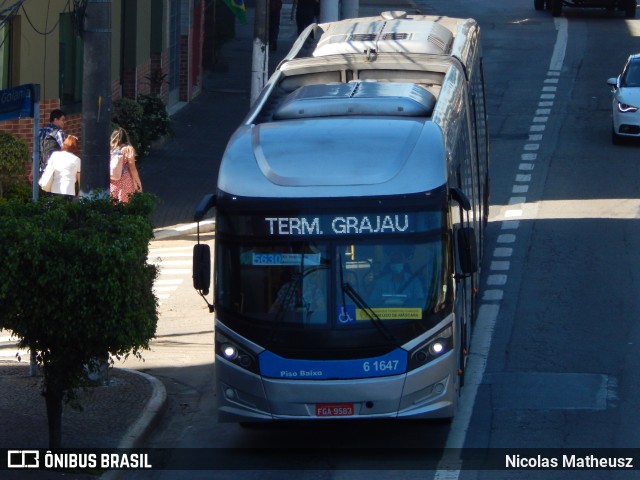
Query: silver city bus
x,y
349,211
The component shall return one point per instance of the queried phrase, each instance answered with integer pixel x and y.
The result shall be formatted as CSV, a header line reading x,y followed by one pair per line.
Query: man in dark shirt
x,y
51,136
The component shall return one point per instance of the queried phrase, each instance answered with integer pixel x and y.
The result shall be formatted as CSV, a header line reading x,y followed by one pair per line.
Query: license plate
x,y
334,409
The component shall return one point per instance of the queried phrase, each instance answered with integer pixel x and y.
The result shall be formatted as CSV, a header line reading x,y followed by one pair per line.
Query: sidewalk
x,y
95,426
180,173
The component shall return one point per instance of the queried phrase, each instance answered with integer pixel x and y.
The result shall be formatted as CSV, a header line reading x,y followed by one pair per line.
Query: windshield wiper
x,y
369,312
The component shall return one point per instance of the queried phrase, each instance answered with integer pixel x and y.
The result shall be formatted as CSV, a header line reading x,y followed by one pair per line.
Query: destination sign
x,y
339,225
285,259
288,225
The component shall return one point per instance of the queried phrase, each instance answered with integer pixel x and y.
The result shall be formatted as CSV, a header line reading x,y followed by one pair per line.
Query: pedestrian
x,y
51,136
275,6
66,168
129,182
306,12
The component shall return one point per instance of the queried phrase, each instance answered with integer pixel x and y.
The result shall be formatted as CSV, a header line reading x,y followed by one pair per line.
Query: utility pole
x,y
96,97
349,9
260,59
329,11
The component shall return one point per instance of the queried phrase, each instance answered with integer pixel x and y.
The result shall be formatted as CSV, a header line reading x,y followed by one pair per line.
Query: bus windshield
x,y
320,283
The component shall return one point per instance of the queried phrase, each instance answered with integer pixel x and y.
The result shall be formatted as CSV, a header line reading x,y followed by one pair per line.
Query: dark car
x,y
627,6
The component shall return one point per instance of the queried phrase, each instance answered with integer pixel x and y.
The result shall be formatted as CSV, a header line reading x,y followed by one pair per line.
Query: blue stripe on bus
x,y
274,366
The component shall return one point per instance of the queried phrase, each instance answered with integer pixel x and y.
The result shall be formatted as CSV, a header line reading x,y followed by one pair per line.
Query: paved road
x,y
181,354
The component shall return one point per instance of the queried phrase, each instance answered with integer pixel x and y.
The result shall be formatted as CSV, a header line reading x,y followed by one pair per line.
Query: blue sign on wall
x,y
18,102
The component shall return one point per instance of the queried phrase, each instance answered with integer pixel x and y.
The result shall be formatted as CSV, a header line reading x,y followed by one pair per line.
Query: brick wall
x,y
148,78
159,72
165,72
143,78
23,127
116,90
129,83
184,69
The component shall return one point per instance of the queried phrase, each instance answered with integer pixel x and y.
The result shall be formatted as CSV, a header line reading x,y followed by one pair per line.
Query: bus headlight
x,y
229,352
234,353
435,347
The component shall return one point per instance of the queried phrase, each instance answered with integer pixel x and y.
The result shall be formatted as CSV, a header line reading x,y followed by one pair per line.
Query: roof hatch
x,y
398,36
357,98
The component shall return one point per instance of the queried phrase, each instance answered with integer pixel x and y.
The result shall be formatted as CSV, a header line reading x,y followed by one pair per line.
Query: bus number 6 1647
x,y
380,366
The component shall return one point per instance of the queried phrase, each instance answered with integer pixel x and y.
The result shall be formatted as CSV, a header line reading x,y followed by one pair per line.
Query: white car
x,y
625,89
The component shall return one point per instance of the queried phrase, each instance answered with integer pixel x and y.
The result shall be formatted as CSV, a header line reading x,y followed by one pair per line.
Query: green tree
x,y
76,285
14,156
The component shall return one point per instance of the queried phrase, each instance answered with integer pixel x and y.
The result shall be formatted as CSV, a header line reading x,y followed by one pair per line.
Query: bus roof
x,y
377,34
389,33
334,157
356,98
336,121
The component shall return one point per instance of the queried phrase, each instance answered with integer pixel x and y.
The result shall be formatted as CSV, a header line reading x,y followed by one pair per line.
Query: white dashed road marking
x,y
449,466
174,265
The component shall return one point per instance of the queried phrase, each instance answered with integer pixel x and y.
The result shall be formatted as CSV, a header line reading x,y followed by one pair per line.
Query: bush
x,y
20,190
76,285
156,120
14,159
145,120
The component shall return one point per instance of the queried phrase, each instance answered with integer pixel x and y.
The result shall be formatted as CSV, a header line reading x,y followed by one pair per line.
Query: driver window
x,y
398,285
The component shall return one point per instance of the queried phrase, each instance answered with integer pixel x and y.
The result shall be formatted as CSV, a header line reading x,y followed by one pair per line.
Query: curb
x,y
165,233
152,412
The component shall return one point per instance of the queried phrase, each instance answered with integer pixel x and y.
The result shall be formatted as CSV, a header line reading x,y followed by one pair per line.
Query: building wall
x,y
37,58
116,48
191,37
143,68
38,54
143,29
197,45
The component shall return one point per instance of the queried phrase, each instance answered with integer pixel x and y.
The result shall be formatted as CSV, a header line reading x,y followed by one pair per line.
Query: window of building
x,y
71,60
5,52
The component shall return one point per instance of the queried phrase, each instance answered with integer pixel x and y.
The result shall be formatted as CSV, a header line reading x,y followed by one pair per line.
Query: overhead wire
x,y
45,33
7,13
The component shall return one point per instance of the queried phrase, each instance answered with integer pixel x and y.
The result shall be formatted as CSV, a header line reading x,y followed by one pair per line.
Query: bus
x,y
349,214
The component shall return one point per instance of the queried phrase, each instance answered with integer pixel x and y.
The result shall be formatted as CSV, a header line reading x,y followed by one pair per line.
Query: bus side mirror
x,y
206,204
458,196
202,268
467,250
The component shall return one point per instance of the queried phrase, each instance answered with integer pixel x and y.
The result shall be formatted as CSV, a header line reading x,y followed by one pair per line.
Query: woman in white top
x,y
66,167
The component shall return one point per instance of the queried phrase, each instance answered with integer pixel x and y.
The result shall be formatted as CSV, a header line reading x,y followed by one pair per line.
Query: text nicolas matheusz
x,y
568,461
